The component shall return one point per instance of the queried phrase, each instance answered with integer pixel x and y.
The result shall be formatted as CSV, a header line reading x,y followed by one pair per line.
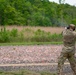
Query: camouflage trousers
x,y
72,60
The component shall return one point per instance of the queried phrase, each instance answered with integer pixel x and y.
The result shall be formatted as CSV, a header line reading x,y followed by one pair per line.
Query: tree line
x,y
36,13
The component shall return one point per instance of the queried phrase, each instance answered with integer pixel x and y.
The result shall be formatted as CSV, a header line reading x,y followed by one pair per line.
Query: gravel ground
x,y
29,54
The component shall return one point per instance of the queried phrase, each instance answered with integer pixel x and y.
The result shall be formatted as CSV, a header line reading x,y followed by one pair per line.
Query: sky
x,y
71,2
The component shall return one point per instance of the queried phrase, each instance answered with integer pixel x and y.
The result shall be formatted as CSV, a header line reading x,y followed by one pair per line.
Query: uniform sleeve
x,y
74,34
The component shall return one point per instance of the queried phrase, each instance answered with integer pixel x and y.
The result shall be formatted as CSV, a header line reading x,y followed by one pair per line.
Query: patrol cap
x,y
72,25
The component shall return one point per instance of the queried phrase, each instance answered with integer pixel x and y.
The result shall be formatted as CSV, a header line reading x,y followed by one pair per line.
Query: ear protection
x,y
69,28
74,29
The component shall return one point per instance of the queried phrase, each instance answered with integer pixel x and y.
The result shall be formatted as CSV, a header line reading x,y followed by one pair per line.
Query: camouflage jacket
x,y
69,37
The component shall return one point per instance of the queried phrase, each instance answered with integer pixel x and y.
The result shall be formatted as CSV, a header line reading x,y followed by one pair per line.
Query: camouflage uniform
x,y
68,51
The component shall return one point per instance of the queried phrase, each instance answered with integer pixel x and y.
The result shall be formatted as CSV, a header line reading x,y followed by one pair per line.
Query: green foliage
x,y
28,35
56,37
14,33
4,35
36,13
74,21
42,36
47,73
25,72
61,1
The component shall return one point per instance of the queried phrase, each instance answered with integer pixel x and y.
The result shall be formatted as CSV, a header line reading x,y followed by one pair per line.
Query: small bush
x,y
56,37
42,36
14,33
4,35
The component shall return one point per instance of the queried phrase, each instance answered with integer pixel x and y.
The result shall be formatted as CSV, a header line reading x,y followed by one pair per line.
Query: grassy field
x,y
30,43
25,72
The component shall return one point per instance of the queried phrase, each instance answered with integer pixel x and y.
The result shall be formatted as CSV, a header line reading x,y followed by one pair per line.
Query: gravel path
x,y
29,54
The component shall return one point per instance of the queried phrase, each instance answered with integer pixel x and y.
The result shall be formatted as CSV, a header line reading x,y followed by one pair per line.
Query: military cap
x,y
72,25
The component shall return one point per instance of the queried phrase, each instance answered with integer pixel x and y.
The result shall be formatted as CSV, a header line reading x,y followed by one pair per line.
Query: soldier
x,y
68,50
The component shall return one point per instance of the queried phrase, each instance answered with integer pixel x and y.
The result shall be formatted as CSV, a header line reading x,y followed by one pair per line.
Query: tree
x,y
61,1
61,12
36,12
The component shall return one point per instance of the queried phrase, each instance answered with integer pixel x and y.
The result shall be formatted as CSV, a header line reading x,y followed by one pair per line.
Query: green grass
x,y
25,72
30,43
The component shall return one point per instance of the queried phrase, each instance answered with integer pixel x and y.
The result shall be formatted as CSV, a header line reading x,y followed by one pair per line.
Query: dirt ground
x,y
52,30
